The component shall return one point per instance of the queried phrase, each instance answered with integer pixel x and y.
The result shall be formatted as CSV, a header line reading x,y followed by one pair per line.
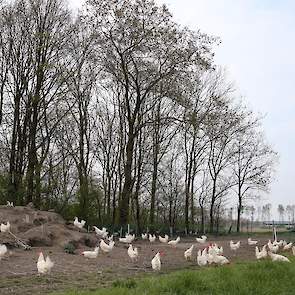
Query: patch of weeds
x,y
69,248
128,284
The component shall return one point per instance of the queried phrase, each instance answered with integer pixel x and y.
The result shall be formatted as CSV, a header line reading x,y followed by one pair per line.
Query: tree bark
x,y
32,155
202,220
128,183
239,212
154,187
211,226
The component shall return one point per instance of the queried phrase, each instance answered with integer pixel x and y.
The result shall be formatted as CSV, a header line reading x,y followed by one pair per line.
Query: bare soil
x,y
18,272
41,228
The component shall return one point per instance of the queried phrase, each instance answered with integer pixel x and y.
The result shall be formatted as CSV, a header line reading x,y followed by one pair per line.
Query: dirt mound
x,y
41,228
23,218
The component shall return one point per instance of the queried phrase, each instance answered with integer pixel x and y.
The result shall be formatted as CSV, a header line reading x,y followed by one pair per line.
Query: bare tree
x,y
81,82
141,48
117,114
266,212
252,167
34,32
281,211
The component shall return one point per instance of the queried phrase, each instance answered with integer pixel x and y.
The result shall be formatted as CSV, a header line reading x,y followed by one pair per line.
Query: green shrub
x,y
69,248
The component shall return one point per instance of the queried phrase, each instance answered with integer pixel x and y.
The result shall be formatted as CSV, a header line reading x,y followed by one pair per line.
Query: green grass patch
x,y
259,278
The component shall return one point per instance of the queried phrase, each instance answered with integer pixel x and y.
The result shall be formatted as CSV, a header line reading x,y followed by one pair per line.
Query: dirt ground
x,y
18,273
48,232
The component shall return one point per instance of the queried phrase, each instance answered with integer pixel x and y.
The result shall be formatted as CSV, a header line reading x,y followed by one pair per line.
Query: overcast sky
x,y
258,46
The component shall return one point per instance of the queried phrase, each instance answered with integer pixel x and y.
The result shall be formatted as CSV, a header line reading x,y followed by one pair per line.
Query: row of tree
x,y
286,212
119,115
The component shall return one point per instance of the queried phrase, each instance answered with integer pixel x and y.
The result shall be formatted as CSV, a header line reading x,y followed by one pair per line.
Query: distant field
x,y
263,277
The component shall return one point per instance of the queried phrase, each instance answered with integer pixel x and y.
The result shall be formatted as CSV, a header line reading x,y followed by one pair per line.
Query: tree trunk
x,y
32,153
239,207
154,187
186,208
156,147
202,220
12,192
114,201
18,145
138,183
136,197
83,196
192,203
37,201
239,215
170,214
211,227
109,177
128,183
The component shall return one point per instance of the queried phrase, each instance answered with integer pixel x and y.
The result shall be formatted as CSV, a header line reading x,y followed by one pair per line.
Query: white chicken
x,y
202,258
128,239
273,247
156,261
44,265
106,248
281,243
132,253
164,240
219,259
101,232
278,243
174,242
252,242
152,238
275,242
78,224
201,240
144,236
3,251
91,254
9,204
124,240
218,250
131,237
188,254
211,250
234,246
293,250
277,257
288,246
260,254
209,256
111,238
5,227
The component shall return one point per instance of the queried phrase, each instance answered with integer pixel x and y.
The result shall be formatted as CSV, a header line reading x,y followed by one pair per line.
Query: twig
x,y
20,242
21,273
137,268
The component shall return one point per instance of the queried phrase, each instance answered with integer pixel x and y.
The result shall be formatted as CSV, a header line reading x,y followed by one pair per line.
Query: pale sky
x,y
258,47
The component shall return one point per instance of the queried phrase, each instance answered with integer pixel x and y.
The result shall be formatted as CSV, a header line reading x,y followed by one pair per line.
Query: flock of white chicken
x,y
211,254
274,247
